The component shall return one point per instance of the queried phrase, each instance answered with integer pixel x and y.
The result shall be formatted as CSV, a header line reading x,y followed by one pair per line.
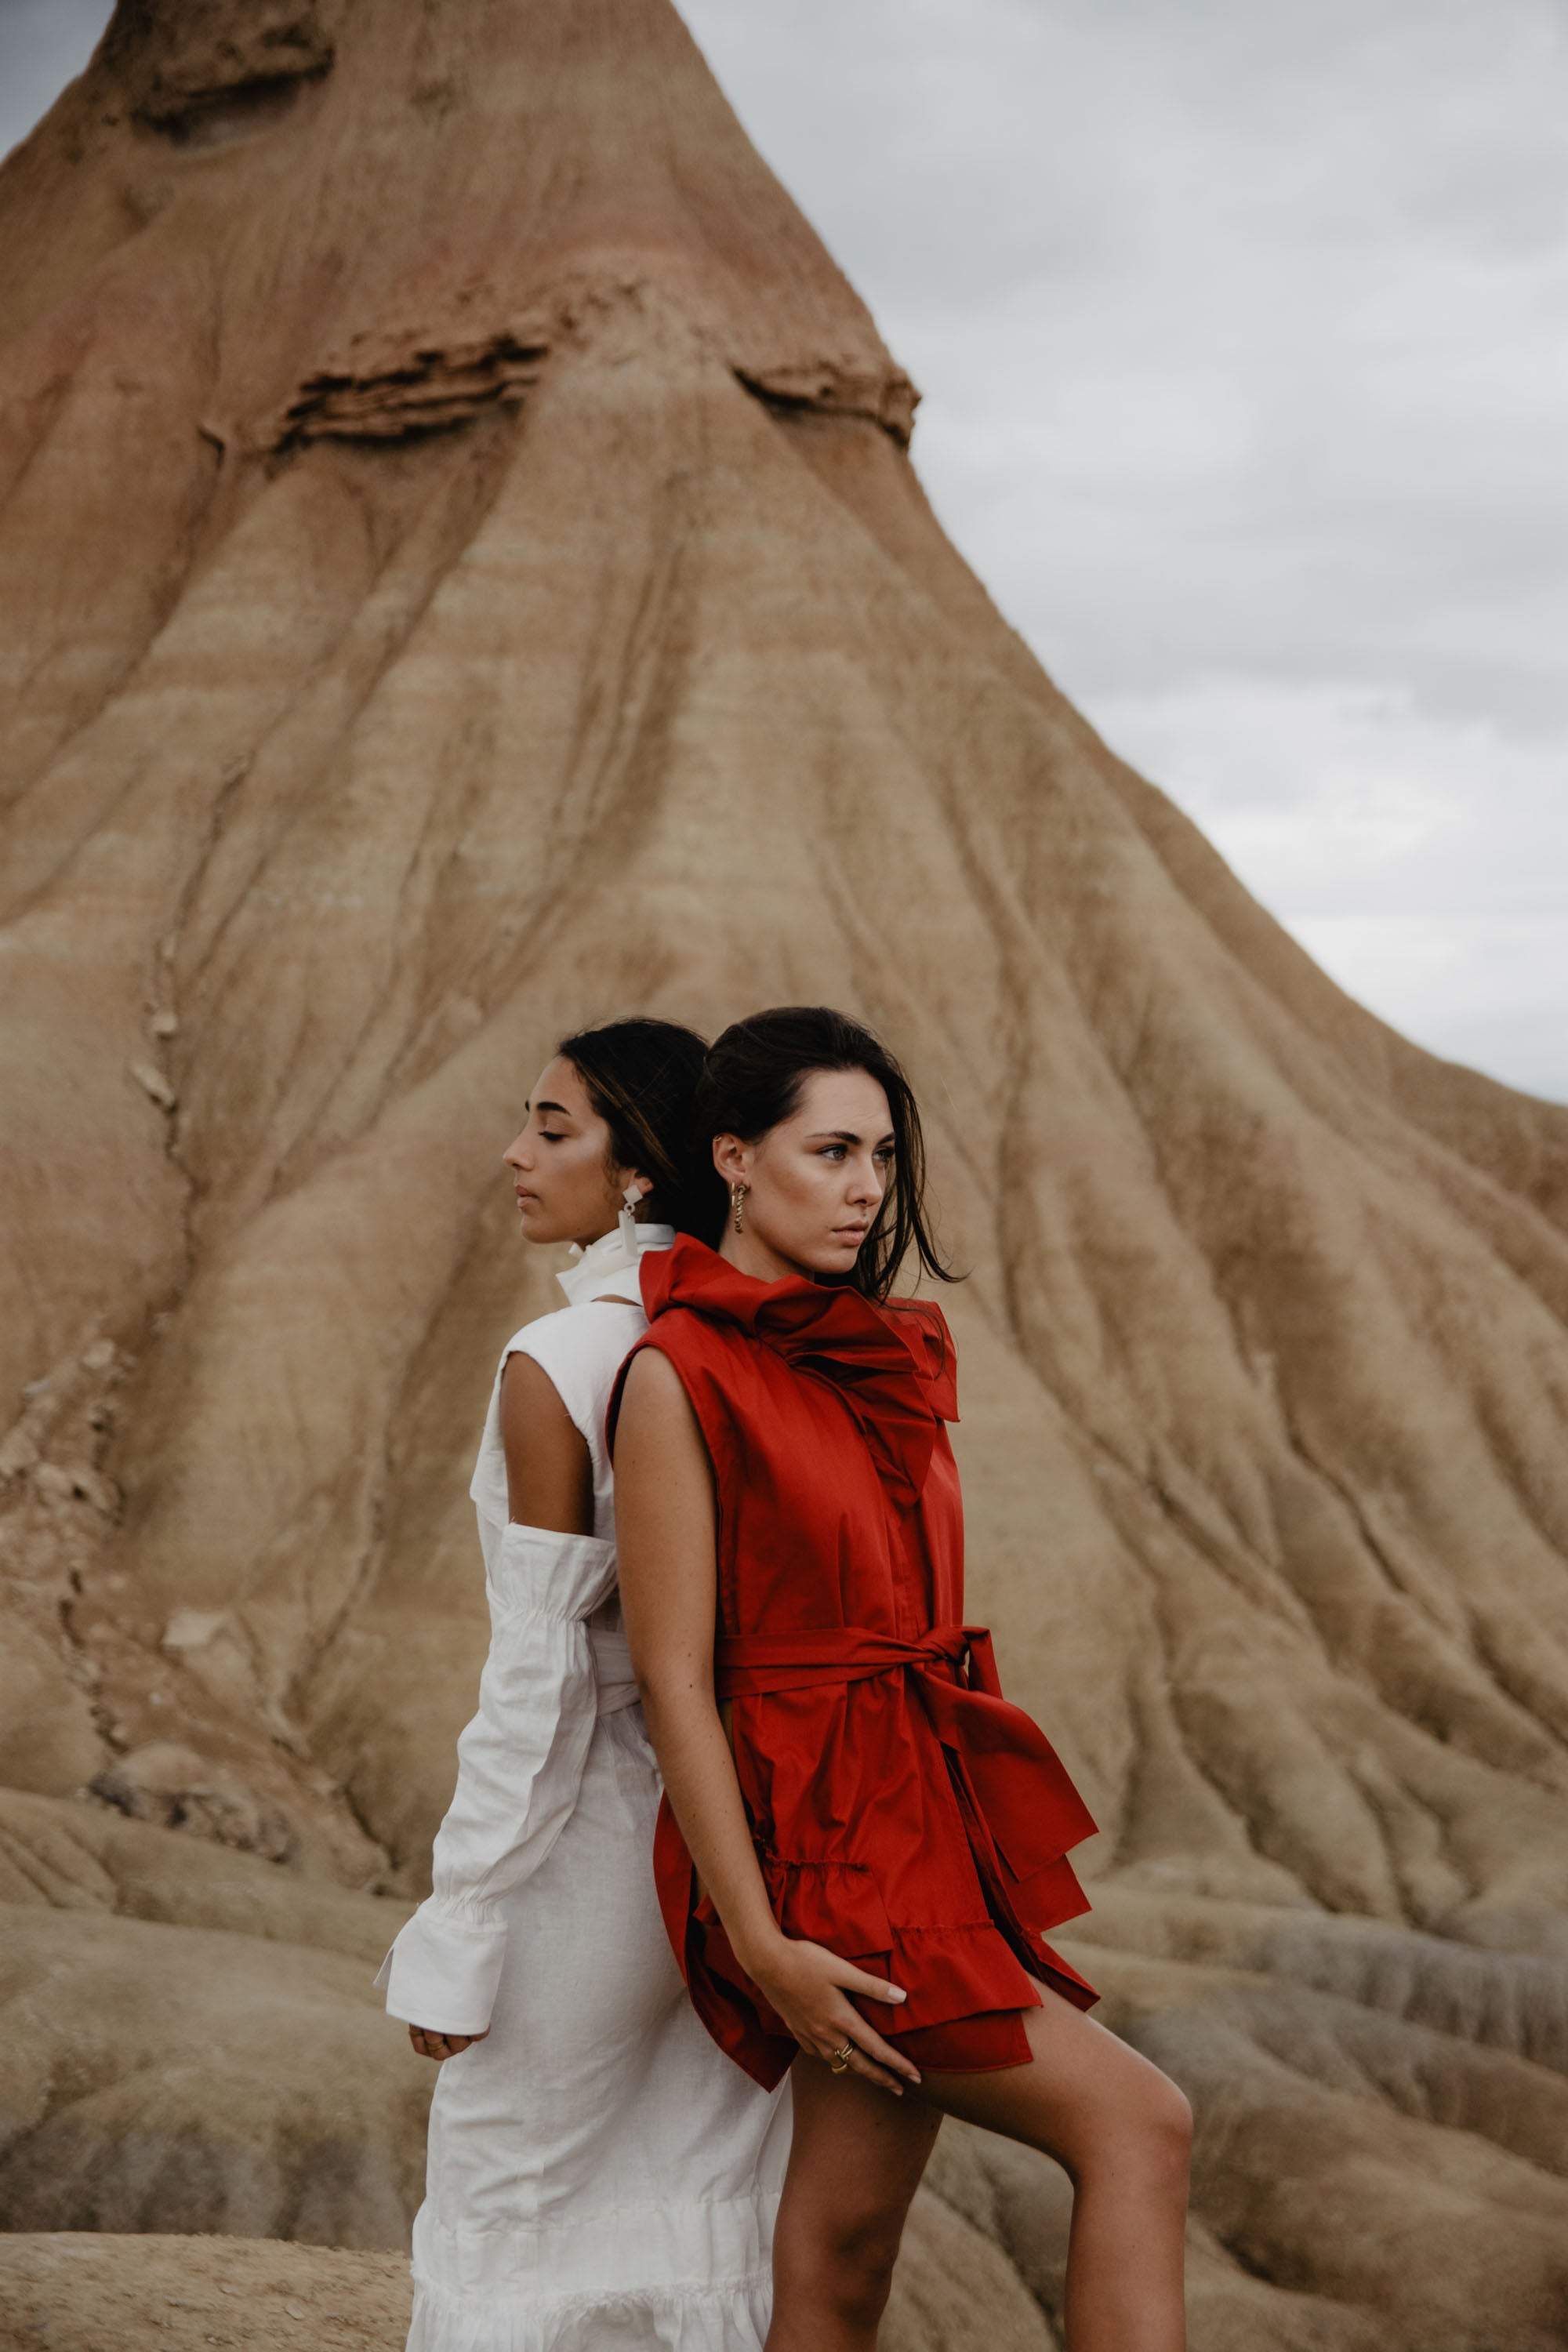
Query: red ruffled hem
x,y
967,1991
968,2045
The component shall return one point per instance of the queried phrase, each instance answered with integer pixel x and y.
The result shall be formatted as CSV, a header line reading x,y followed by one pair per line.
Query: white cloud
x,y
1240,326
1423,860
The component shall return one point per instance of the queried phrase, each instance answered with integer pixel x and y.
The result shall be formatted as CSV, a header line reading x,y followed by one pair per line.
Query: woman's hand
x,y
809,1988
428,2044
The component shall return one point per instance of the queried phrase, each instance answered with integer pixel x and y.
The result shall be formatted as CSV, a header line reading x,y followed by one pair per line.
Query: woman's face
x,y
566,1189
815,1182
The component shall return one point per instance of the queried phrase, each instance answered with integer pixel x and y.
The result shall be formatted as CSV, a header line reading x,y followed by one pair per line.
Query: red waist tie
x,y
1021,1809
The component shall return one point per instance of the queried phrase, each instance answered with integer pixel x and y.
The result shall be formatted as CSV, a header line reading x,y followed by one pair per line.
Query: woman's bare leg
x,y
1123,2131
1121,2128
855,2161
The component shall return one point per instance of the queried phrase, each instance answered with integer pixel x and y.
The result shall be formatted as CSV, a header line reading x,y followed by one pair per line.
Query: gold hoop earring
x,y
737,1201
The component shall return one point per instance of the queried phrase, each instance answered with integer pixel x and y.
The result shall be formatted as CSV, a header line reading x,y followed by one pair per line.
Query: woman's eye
x,y
546,1137
833,1152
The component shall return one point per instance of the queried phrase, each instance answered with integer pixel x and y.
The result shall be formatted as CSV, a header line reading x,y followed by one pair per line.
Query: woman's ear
x,y
731,1159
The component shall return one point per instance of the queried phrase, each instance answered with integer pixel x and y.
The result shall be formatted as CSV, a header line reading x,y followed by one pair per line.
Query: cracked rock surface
x,y
463,574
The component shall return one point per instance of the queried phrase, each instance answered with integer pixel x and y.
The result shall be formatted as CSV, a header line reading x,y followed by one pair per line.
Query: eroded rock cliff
x,y
463,574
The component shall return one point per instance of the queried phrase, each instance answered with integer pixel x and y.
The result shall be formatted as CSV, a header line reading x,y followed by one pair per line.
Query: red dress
x,y
905,1815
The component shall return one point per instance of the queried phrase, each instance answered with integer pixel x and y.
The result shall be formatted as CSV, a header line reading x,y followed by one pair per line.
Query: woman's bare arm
x,y
666,1550
548,1478
548,1483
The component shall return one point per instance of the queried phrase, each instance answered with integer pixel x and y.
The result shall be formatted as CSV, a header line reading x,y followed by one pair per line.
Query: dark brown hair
x,y
641,1078
752,1080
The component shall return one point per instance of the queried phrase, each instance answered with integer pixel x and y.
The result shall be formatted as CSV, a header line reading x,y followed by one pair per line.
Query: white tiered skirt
x,y
601,2178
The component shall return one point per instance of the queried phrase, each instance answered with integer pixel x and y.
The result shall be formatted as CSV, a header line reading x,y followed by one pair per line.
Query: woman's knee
x,y
1145,2125
844,2259
1163,2127
861,2253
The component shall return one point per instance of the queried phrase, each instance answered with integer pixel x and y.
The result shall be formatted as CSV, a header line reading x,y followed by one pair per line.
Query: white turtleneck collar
x,y
601,1270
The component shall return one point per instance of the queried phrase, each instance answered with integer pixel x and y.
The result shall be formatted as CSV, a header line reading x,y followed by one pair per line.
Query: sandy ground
x,y
73,2291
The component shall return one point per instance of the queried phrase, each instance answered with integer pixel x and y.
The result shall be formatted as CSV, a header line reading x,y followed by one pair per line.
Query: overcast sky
x,y
1243,331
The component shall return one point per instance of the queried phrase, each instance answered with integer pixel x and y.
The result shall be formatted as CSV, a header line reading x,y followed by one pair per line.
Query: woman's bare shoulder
x,y
654,1406
651,1384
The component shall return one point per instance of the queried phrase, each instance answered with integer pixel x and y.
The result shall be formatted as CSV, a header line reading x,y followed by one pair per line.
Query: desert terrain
x,y
465,573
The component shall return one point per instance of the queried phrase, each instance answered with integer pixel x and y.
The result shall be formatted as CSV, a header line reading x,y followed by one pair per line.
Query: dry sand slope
x,y
462,573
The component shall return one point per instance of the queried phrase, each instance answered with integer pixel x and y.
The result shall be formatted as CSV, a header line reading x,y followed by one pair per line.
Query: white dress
x,y
601,2178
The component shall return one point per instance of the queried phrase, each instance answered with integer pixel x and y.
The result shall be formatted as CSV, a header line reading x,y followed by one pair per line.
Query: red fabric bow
x,y
1022,1812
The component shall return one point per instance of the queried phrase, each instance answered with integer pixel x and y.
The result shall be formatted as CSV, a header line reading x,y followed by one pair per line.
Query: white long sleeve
x,y
519,1765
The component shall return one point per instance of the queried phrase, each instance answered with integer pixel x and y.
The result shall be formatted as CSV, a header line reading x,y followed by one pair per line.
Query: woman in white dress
x,y
600,2178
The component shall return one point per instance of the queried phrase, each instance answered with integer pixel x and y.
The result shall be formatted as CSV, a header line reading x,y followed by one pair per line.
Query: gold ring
x,y
840,2058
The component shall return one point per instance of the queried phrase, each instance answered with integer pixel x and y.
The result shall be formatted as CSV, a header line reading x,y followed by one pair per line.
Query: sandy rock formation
x,y
190,2031
463,574
65,2293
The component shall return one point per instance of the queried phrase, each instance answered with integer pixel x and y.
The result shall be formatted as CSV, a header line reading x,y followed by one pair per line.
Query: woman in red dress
x,y
863,1845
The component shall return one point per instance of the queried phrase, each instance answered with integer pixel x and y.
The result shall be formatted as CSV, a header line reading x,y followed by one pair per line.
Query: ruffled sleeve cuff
x,y
442,1973
519,1765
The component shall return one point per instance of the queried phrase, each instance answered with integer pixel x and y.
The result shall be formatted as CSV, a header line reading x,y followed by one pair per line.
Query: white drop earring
x,y
628,1222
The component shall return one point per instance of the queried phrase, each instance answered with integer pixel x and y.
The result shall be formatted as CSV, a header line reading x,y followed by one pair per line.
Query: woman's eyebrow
x,y
843,1135
559,1108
